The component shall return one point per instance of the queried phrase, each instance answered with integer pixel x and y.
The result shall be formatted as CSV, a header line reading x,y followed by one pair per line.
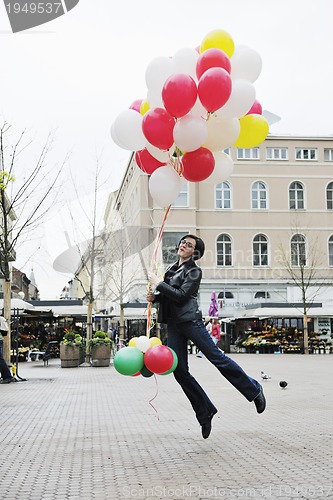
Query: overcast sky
x,y
78,72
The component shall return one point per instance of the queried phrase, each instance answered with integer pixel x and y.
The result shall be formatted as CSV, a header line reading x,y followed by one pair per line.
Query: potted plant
x,y
70,349
100,348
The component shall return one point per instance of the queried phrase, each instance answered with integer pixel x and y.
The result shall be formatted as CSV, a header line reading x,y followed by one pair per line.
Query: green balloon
x,y
128,360
145,372
174,364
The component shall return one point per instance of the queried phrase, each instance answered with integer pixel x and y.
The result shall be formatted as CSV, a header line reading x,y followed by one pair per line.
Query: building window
x,y
248,154
260,250
298,250
262,295
329,196
330,251
169,244
259,195
223,250
182,198
276,153
306,154
223,195
328,154
296,196
225,295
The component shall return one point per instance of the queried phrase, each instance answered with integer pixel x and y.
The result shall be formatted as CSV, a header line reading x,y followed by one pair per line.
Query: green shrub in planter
x,y
99,338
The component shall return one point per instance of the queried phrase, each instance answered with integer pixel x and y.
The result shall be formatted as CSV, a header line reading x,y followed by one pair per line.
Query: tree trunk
x,y
121,323
7,314
89,329
305,334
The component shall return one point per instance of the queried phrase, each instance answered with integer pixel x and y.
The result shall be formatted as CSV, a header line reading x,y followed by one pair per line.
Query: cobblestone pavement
x,y
91,433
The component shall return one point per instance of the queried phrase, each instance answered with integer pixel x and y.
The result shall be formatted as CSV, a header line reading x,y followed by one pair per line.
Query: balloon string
x,y
154,266
152,399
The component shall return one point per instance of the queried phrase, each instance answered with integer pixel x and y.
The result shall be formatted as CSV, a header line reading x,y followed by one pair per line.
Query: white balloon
x,y
154,98
190,133
157,72
246,63
164,185
128,130
115,138
222,132
186,61
198,109
224,167
243,95
159,154
143,343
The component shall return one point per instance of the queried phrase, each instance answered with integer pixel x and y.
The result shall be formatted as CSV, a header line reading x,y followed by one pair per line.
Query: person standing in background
x,y
216,331
4,370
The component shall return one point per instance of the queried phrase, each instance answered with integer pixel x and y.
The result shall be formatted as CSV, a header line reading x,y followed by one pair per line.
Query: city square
x,y
91,433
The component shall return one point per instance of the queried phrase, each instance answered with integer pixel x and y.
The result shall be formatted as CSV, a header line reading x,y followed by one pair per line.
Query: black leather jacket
x,y
178,293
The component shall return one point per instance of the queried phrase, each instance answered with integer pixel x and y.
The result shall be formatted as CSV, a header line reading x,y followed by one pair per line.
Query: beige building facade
x,y
271,218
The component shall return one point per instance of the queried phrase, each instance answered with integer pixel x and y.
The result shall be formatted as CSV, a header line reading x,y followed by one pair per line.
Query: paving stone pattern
x,y
90,433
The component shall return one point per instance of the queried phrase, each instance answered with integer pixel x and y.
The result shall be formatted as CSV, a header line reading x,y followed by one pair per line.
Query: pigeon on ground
x,y
283,384
264,376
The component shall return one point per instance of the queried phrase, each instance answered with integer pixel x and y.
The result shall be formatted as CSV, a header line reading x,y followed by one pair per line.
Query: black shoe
x,y
260,401
8,380
207,426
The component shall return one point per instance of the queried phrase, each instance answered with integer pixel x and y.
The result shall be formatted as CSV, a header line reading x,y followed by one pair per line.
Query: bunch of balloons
x,y
199,102
145,356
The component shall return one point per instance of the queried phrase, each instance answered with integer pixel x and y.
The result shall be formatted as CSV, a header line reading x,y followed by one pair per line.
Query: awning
x,y
65,310
19,304
134,313
283,312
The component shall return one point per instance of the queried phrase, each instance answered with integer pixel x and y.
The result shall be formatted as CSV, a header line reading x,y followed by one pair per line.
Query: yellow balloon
x,y
218,39
144,107
253,131
132,342
155,341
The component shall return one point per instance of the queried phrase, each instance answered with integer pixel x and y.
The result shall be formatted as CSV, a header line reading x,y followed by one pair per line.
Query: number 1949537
x,y
34,8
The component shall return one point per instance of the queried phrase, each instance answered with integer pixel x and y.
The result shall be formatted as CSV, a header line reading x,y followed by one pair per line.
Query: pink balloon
x,y
212,58
157,127
179,94
256,109
146,162
136,105
214,88
198,165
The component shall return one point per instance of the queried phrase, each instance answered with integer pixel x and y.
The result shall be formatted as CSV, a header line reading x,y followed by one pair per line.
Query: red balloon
x,y
146,162
198,164
256,109
157,127
179,94
136,105
212,58
214,88
158,359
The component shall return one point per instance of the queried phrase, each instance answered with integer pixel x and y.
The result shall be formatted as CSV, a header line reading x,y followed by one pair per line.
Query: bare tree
x,y
125,265
90,244
303,264
28,189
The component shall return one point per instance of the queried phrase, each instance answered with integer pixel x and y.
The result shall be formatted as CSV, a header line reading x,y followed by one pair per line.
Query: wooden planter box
x,y
100,355
69,356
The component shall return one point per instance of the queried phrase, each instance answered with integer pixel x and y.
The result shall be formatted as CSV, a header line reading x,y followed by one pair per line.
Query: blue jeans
x,y
178,336
4,370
